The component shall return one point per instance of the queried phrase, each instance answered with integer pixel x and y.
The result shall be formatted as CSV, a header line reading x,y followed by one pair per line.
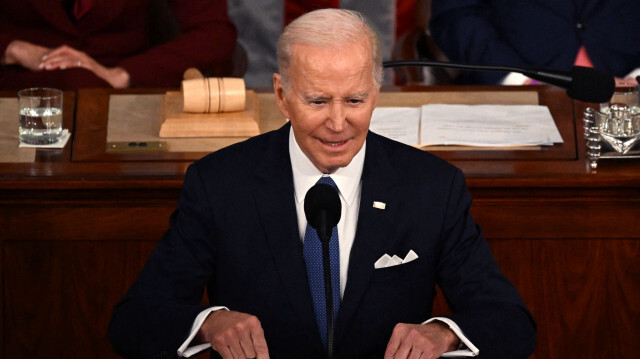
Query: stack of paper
x,y
468,125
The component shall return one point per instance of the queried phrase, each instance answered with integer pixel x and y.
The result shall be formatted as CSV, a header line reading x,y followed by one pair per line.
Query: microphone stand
x,y
328,291
559,78
582,83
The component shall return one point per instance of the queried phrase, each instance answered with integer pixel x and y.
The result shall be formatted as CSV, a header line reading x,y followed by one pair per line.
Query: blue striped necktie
x,y
313,261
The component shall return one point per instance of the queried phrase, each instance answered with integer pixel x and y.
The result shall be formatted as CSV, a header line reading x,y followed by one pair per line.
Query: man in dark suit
x,y
239,231
552,34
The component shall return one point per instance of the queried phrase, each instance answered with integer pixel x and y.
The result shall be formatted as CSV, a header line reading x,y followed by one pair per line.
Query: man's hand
x,y
234,335
425,341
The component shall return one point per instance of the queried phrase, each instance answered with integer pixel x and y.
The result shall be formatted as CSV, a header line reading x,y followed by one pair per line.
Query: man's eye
x,y
317,102
354,101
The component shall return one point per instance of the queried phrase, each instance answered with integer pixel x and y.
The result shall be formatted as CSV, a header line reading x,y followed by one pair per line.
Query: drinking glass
x,y
40,116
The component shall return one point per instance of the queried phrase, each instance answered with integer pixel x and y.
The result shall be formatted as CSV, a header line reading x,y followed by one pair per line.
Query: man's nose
x,y
337,120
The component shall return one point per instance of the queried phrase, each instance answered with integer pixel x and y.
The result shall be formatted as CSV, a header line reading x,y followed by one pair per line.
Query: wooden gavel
x,y
211,94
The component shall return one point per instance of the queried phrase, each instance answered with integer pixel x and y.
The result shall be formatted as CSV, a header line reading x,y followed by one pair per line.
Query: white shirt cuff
x,y
634,73
470,351
185,350
514,78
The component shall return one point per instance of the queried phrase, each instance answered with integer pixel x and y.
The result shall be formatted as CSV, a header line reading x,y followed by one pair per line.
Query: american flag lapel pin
x,y
379,205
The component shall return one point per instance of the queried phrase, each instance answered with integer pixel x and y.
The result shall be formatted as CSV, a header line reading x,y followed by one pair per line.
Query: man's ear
x,y
280,95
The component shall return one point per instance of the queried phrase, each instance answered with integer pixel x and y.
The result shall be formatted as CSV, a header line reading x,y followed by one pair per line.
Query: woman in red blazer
x,y
70,44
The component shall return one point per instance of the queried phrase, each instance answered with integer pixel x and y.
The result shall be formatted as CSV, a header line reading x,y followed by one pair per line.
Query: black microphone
x,y
322,208
586,84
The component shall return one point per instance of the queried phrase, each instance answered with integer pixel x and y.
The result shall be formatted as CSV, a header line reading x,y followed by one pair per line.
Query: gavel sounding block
x,y
225,124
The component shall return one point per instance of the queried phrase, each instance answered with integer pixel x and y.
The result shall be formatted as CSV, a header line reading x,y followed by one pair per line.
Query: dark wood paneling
x,y
54,223
558,219
584,295
60,294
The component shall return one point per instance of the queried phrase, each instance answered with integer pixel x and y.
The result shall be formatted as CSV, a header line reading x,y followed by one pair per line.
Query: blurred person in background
x,y
553,34
70,44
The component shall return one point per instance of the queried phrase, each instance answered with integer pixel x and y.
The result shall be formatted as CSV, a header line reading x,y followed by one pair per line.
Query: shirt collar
x,y
305,174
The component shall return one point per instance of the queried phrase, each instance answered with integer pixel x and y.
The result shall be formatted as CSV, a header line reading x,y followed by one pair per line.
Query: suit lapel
x,y
378,182
275,202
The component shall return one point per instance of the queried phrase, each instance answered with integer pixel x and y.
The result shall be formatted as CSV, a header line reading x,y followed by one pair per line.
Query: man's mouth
x,y
333,144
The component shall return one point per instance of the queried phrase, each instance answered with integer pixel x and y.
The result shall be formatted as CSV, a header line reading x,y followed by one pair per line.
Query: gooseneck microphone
x,y
582,83
322,208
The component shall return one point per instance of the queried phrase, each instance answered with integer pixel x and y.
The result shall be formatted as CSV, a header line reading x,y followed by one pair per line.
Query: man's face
x,y
330,101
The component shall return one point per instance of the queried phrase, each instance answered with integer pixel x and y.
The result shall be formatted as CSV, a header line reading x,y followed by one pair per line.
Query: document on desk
x,y
399,123
468,125
488,125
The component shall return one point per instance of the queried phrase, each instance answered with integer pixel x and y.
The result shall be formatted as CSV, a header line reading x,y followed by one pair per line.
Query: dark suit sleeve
x,y
544,34
465,32
485,305
157,313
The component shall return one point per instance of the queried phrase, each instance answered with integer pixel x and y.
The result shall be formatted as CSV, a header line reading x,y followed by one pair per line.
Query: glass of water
x,y
40,116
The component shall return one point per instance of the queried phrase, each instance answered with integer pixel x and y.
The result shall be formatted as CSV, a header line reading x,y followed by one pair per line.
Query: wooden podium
x,y
567,237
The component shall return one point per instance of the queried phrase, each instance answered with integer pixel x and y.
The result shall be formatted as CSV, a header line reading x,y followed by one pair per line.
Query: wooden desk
x,y
567,237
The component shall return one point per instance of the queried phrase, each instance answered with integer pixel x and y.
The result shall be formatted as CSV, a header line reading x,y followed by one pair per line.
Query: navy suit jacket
x,y
235,231
537,33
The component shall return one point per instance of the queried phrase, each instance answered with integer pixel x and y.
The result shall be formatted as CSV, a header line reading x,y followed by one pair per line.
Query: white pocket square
x,y
387,261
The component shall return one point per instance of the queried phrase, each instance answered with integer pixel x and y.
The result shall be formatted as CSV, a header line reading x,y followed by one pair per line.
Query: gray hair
x,y
327,28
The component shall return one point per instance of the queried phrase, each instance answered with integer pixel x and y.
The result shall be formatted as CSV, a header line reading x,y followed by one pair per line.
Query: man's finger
x,y
224,352
236,350
247,347
260,343
394,343
392,348
416,354
403,350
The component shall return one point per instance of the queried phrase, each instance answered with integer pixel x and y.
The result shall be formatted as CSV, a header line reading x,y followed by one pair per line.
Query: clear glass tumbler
x,y
40,116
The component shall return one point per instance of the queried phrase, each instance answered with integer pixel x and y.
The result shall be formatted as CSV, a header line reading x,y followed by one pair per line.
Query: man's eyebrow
x,y
315,98
312,98
358,95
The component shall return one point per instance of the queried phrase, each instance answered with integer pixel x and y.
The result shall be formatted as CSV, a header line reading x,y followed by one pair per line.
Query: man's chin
x,y
332,165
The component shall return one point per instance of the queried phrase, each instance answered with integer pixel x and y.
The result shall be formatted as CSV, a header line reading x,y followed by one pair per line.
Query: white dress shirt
x,y
347,179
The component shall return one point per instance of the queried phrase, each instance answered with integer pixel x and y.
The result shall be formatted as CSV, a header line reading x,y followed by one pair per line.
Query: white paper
x,y
468,125
398,123
487,125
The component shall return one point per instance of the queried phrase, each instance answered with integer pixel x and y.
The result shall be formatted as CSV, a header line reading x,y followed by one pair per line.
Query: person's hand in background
x,y
25,54
65,57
